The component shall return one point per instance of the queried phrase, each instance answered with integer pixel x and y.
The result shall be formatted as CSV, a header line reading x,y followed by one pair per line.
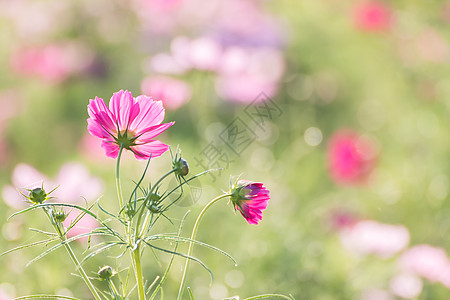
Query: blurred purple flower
x,y
172,92
370,237
243,23
351,158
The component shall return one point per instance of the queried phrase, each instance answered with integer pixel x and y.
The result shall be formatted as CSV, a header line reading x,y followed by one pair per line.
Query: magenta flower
x,y
351,158
131,123
250,198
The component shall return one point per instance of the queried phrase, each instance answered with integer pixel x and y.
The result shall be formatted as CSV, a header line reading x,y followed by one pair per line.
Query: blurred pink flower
x,y
130,122
250,198
260,69
5,296
172,92
34,21
4,152
162,5
162,16
432,46
10,102
406,286
48,63
90,147
351,158
24,177
75,185
53,63
370,237
341,219
85,225
426,261
375,294
202,53
372,16
165,63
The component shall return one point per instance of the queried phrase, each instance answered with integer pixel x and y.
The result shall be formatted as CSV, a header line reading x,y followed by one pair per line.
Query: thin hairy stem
x,y
138,269
73,257
191,244
118,186
146,222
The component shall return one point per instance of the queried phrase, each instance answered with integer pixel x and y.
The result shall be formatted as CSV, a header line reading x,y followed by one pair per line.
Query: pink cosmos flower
x,y
373,16
351,158
131,123
250,198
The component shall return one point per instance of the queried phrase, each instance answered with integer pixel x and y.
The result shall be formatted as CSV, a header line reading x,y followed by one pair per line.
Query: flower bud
x,y
37,196
106,273
153,203
60,216
181,167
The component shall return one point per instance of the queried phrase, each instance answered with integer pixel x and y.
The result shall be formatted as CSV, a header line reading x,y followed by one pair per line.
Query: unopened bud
x,y
181,167
60,216
106,272
37,196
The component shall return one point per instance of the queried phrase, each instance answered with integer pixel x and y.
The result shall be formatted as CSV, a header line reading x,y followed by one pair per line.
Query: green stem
x,y
191,244
74,258
118,186
138,223
139,277
113,289
171,260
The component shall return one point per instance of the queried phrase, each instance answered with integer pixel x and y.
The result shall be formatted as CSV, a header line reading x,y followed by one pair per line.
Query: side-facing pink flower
x,y
250,198
351,158
130,123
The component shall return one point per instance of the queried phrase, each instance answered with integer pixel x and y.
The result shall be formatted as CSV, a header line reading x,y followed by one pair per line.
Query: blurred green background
x,y
373,74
